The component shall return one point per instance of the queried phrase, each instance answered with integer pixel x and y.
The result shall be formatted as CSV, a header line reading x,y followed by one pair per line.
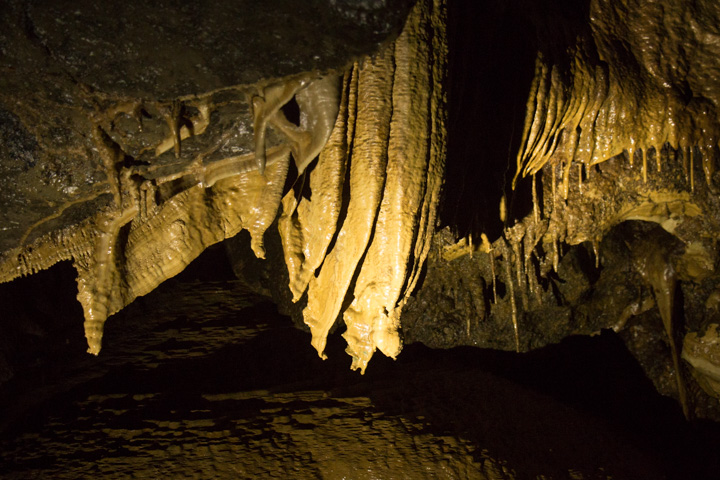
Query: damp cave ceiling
x,y
62,60
195,50
166,178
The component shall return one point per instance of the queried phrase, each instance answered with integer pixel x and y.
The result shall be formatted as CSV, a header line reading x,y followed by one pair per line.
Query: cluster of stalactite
x,y
620,125
369,226
643,77
650,96
362,234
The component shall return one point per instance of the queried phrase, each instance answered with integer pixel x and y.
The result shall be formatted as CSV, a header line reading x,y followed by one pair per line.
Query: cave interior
x,y
557,289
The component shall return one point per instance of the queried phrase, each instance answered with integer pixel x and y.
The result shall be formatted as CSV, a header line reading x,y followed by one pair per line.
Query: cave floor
x,y
202,380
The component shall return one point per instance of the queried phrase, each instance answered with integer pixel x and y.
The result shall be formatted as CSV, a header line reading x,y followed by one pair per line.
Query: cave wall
x,y
580,191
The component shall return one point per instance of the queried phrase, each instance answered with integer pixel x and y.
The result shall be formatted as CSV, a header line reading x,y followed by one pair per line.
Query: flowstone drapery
x,y
393,156
185,173
613,220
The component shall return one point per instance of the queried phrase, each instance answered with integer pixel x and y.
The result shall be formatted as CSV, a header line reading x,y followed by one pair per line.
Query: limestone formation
x,y
612,218
173,192
395,172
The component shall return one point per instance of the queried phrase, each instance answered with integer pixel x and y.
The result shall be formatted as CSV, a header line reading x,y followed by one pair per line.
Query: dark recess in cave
x,y
491,65
492,50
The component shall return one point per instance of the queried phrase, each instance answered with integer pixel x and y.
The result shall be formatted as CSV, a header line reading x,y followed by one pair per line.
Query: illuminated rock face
x,y
641,83
394,167
185,173
134,178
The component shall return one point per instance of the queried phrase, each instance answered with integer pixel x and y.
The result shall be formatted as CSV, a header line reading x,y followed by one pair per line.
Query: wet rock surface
x,y
197,48
65,65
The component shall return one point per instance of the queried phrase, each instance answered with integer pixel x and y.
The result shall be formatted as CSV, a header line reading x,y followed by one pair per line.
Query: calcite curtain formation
x,y
164,244
641,82
644,76
621,124
358,239
395,123
642,85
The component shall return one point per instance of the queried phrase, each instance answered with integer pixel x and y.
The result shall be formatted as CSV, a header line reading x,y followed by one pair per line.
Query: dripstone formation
x,y
133,138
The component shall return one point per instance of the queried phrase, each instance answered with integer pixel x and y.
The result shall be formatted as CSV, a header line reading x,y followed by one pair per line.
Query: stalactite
x,y
173,119
318,102
652,258
318,99
267,103
536,207
580,176
566,178
110,156
392,125
533,234
491,258
511,292
307,226
596,251
692,169
161,246
179,130
437,148
412,185
553,168
163,239
95,293
327,289
588,112
534,284
502,209
517,260
708,163
584,111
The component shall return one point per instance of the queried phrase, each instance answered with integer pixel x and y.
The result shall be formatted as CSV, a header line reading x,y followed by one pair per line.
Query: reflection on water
x,y
202,380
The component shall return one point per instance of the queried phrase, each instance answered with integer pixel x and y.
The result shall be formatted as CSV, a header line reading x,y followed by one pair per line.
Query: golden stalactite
x,y
358,241
437,23
373,317
307,226
163,245
266,106
327,289
396,160
608,98
591,110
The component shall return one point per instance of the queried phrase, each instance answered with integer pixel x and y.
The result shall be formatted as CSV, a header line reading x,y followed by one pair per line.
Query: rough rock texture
x,y
126,70
612,223
166,157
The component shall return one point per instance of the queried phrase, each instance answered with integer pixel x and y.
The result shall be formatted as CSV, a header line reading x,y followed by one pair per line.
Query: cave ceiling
x,y
549,174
